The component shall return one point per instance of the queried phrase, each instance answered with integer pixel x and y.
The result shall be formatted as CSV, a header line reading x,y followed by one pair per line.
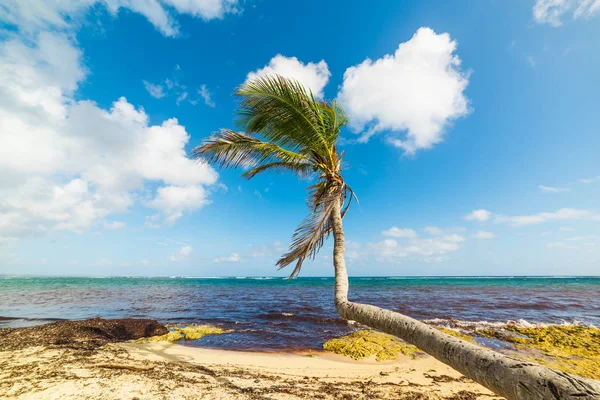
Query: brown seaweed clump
x,y
366,343
190,332
88,333
569,348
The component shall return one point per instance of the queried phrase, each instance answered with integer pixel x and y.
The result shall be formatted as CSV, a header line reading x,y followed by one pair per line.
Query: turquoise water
x,y
279,313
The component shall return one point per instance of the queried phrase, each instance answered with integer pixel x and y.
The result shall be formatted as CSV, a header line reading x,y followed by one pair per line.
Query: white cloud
x,y
483,235
418,89
400,232
232,258
206,95
205,9
426,249
182,254
589,180
36,15
531,61
173,201
550,189
479,215
181,97
563,214
406,244
155,91
114,225
67,163
312,76
552,11
566,229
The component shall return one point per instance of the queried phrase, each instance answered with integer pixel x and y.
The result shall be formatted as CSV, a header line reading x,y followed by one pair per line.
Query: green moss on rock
x,y
366,343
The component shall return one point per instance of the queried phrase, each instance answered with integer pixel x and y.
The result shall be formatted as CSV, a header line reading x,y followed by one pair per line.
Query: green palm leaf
x,y
287,130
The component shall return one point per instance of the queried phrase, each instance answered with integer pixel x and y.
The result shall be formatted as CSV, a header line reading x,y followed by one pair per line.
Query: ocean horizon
x,y
276,313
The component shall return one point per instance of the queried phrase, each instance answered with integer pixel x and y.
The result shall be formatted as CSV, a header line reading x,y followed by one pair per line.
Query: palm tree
x,y
286,129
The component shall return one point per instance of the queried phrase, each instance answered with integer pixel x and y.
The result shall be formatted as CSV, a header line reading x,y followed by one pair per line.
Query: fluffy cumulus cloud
x,y
553,12
418,90
67,164
34,15
313,76
181,254
172,201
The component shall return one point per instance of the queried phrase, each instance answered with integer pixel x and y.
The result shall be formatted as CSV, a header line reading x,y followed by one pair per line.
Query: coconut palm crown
x,y
284,128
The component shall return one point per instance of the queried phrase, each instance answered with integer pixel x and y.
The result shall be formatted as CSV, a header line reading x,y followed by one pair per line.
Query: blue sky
x,y
472,142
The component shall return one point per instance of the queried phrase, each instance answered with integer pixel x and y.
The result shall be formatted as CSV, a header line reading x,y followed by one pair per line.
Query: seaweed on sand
x,y
569,348
366,343
190,332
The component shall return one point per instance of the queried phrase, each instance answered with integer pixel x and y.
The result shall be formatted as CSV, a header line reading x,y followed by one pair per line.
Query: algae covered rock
x,y
190,332
366,343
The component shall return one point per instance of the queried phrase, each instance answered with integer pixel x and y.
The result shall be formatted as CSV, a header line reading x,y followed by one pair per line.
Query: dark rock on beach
x,y
88,333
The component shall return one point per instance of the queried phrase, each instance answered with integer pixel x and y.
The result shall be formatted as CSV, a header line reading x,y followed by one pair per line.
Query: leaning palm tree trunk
x,y
507,376
286,129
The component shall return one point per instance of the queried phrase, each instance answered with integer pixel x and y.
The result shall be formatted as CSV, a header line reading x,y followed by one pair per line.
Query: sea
x,y
274,314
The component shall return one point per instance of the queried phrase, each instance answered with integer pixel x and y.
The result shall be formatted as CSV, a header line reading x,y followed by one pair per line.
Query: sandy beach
x,y
171,371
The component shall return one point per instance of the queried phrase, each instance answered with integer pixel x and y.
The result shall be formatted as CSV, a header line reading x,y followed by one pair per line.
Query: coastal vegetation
x,y
284,128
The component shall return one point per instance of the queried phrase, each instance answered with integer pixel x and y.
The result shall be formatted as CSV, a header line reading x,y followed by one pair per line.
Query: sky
x,y
472,141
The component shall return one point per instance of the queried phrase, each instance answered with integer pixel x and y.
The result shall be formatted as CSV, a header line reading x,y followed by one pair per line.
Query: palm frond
x,y
312,232
302,169
282,111
230,149
334,118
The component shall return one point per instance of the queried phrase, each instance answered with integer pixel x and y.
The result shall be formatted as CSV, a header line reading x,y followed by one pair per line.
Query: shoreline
x,y
100,358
